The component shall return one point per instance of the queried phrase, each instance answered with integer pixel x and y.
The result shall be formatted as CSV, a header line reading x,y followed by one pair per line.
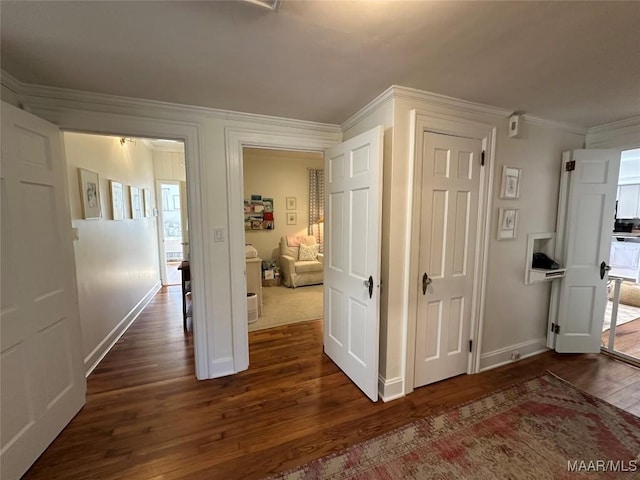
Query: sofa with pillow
x,y
300,262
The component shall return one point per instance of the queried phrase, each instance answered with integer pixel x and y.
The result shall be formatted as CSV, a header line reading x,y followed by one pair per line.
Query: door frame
x,y
109,123
236,140
160,224
460,127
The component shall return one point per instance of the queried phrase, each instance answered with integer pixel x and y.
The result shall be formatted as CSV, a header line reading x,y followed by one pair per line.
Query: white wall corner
x,y
502,356
92,360
391,389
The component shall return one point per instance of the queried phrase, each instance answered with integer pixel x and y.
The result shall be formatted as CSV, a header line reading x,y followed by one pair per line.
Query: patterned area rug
x,y
543,428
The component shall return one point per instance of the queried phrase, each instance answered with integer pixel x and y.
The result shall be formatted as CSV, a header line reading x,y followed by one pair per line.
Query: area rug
x,y
543,428
282,306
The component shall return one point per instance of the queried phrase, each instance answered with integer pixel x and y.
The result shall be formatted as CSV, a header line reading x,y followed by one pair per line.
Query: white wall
x,y
116,261
513,313
279,174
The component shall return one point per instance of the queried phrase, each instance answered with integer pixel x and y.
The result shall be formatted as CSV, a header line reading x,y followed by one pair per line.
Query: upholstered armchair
x,y
300,262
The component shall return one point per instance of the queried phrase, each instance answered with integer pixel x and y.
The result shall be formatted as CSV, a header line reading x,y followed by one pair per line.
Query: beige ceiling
x,y
324,60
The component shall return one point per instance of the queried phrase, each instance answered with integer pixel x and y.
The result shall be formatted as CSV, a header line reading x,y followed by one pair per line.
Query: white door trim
x,y
236,140
190,133
448,125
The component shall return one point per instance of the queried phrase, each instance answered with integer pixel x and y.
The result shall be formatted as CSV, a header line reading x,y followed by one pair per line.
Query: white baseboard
x,y
502,356
391,389
95,357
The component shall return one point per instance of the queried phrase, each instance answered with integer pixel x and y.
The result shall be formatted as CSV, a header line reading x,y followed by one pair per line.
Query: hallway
x,y
147,417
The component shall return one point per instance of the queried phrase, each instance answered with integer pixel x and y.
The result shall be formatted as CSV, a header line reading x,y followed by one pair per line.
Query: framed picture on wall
x,y
292,218
510,187
89,193
291,203
117,200
136,202
507,223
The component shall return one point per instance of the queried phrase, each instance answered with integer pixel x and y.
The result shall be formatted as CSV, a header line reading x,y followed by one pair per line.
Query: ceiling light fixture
x,y
272,5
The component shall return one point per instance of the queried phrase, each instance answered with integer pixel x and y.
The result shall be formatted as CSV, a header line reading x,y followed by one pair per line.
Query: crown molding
x,y
618,125
10,82
451,103
543,122
88,100
368,109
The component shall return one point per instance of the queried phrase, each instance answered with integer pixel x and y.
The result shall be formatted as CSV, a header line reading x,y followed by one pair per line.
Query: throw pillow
x,y
308,252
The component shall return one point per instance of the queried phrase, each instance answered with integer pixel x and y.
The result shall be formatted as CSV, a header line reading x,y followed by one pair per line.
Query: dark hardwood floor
x,y
147,417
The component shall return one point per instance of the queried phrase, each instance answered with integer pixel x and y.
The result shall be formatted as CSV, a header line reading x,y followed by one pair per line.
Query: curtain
x,y
316,205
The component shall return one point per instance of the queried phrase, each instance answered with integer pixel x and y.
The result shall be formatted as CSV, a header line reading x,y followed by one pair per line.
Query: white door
x,y
450,180
42,375
588,226
353,210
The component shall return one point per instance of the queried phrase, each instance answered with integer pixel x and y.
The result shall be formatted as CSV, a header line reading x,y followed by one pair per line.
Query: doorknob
x,y
426,281
603,268
369,283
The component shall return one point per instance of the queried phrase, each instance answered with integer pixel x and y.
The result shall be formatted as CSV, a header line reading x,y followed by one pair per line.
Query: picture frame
x,y
292,218
508,223
511,179
136,202
146,197
89,193
117,200
291,203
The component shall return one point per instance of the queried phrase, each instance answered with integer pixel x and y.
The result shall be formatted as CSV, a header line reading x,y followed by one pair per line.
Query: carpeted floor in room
x,y
282,305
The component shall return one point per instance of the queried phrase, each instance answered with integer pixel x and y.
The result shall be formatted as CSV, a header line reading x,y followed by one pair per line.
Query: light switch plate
x,y
218,234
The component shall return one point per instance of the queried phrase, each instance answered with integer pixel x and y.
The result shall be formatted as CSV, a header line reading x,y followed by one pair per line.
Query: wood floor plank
x,y
147,417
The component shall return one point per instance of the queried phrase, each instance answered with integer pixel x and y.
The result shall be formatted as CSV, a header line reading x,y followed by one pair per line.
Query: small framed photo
x,y
507,224
89,193
292,218
117,200
510,187
136,202
291,203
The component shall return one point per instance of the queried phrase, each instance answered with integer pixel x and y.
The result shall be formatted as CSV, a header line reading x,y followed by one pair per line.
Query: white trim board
x,y
92,360
502,356
453,104
390,389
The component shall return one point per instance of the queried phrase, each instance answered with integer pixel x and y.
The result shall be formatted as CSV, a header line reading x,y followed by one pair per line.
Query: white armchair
x,y
297,272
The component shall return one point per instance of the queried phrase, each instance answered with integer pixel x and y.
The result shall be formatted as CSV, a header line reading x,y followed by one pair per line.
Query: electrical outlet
x,y
515,356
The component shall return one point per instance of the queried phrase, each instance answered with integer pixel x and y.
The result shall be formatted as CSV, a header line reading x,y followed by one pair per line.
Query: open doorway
x,y
172,208
621,329
283,221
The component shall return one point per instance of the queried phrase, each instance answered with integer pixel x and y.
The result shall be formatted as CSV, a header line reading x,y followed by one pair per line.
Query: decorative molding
x,y
368,109
76,98
502,356
95,357
391,389
555,125
451,103
620,134
613,126
10,82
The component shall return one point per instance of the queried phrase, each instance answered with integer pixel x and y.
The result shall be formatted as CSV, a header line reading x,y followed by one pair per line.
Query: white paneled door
x,y
353,199
591,179
42,384
450,180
